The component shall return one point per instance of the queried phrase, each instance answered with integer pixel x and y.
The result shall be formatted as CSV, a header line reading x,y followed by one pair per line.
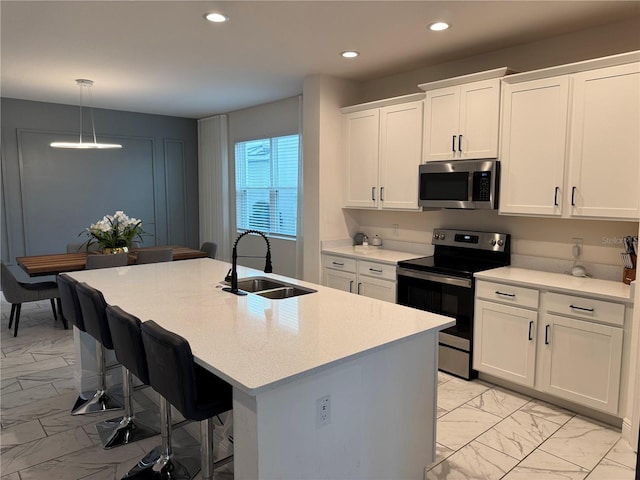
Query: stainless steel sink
x,y
258,284
285,292
270,288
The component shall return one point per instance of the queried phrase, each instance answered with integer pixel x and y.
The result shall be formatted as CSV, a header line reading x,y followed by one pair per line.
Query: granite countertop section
x,y
584,286
374,254
252,342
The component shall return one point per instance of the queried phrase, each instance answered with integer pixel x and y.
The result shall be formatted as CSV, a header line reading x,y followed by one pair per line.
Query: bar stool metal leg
x,y
101,400
126,429
169,466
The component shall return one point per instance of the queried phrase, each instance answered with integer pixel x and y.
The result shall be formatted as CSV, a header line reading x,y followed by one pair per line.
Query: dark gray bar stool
x,y
196,393
87,402
127,343
93,305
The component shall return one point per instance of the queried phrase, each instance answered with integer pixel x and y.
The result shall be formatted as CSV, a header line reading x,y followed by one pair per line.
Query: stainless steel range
x,y
444,284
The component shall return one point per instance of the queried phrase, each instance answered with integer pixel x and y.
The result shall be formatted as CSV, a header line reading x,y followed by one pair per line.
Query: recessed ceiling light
x,y
438,26
216,17
350,54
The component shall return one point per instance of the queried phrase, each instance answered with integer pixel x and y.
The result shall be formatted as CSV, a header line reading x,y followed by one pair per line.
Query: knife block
x,y
629,274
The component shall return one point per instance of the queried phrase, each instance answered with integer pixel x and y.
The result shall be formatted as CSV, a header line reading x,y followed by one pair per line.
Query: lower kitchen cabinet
x,y
505,342
563,345
362,277
581,361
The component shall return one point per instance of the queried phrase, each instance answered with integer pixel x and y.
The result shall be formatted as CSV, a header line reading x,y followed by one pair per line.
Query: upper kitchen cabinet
x,y
533,144
462,116
382,151
569,142
604,145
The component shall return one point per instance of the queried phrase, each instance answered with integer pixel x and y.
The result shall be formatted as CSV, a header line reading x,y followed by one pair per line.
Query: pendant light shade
x,y
83,83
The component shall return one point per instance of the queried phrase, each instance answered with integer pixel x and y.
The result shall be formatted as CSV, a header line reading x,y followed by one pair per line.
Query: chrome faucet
x,y
232,276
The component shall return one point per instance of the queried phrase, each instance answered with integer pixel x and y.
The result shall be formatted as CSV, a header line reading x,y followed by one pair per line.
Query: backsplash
x,y
536,243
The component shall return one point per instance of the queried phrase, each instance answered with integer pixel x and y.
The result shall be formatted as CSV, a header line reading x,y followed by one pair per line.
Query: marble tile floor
x,y
39,439
483,431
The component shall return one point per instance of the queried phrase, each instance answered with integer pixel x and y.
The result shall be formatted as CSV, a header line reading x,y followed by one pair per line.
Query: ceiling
x,y
162,57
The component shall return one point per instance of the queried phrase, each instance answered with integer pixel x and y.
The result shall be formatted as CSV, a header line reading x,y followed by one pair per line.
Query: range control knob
x,y
500,242
435,235
492,242
442,236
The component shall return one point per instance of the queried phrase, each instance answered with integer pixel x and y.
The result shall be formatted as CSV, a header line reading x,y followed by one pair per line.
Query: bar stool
x,y
196,393
92,305
127,342
87,402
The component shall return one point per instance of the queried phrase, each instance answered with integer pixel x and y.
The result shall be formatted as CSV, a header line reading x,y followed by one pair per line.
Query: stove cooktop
x,y
463,267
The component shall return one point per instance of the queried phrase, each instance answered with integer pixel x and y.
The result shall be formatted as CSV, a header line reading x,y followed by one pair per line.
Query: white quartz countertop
x,y
375,254
252,342
585,286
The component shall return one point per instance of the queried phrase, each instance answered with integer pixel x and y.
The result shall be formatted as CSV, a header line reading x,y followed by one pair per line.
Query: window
x,y
267,185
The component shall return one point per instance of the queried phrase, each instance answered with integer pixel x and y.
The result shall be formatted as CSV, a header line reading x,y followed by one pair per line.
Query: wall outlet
x,y
323,411
576,250
396,229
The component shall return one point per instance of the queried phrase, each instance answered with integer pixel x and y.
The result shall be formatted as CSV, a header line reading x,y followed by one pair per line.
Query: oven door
x,y
446,295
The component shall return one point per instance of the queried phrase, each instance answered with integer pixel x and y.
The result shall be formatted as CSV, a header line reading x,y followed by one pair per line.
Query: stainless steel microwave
x,y
470,184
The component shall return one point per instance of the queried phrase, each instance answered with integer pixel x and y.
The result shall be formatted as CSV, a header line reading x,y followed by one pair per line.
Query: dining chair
x,y
106,261
82,247
18,293
210,248
154,256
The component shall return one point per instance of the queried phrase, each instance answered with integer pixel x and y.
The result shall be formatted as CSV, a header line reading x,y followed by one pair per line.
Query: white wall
x,y
263,121
323,167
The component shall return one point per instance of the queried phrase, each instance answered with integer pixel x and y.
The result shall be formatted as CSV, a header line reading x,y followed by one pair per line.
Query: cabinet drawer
x,y
339,263
378,270
520,296
587,308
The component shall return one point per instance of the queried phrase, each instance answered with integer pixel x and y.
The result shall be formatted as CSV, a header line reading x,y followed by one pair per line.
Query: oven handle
x,y
435,277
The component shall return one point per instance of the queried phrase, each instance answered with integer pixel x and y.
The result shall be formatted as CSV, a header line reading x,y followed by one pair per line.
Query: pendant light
x,y
84,83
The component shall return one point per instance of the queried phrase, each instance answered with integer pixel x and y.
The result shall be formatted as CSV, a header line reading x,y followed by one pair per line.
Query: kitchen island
x,y
375,361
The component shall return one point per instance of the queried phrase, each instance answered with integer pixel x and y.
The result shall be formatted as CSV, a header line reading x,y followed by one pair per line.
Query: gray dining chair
x,y
106,261
18,293
82,247
210,248
154,256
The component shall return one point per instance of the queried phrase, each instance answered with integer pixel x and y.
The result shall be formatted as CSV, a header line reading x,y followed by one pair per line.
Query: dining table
x,y
53,264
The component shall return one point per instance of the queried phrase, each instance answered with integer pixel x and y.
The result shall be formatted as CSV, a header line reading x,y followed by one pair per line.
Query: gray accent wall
x,y
50,195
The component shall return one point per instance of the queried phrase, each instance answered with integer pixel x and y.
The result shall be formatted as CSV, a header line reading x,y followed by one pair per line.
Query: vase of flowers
x,y
114,233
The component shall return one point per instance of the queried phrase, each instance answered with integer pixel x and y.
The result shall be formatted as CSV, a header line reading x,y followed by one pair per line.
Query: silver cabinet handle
x,y
373,193
584,309
573,196
530,328
510,295
453,143
555,197
382,194
460,143
375,270
350,286
359,285
338,264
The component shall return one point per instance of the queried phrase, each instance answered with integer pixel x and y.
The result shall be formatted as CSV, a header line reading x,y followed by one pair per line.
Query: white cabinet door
x,y
479,119
400,155
581,361
361,133
441,123
345,281
604,154
533,144
505,342
377,288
